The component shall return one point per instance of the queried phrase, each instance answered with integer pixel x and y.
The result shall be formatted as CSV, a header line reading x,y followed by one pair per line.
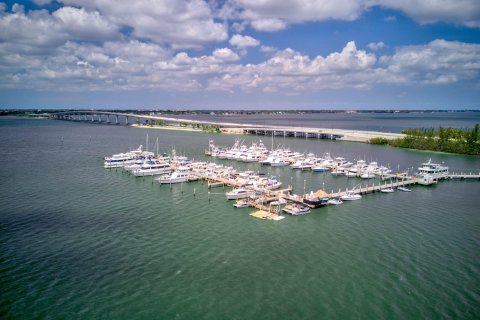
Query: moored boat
x,y
296,209
351,196
239,193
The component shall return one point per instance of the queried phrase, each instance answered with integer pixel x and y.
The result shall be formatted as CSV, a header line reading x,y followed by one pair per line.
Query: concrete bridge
x,y
266,130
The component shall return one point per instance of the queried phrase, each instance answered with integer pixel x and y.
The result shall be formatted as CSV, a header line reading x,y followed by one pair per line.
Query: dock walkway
x,y
376,188
464,176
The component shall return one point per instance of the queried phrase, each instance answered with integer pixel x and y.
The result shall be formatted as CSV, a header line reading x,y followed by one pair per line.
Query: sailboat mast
x,y
146,145
157,146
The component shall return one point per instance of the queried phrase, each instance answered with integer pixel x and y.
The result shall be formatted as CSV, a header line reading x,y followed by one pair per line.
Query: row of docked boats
x,y
257,152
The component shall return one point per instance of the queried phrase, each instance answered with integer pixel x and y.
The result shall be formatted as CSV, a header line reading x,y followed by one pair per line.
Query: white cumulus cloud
x,y
268,24
240,41
178,23
225,54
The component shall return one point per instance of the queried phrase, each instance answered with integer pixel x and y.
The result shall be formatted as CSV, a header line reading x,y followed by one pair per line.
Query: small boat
x,y
318,199
404,189
242,203
296,209
335,201
387,190
320,169
239,194
279,163
351,196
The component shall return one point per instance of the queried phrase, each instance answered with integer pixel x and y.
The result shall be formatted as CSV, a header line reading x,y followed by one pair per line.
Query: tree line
x,y
462,141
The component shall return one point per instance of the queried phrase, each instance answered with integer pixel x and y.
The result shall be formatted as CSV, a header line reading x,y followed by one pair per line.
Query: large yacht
x,y
152,167
429,173
239,194
120,160
181,175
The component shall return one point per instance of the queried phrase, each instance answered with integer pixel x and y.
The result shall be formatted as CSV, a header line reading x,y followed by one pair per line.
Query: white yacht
x,y
335,201
176,177
278,162
152,167
120,160
296,209
351,196
429,173
239,193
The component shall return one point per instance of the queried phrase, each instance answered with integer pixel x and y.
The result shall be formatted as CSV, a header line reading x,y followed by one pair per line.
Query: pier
x,y
371,188
118,118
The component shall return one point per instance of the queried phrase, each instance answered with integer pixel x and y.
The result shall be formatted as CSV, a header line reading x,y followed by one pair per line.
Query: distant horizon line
x,y
253,111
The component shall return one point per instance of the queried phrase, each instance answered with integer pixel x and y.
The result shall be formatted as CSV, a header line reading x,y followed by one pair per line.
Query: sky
x,y
240,54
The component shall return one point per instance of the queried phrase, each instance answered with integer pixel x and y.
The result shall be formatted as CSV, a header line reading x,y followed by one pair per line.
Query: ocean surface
x,y
78,241
385,122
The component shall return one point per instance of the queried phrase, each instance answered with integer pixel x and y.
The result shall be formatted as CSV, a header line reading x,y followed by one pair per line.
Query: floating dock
x,y
265,215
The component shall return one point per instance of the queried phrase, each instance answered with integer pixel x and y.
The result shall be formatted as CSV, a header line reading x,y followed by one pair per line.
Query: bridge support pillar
x,y
116,119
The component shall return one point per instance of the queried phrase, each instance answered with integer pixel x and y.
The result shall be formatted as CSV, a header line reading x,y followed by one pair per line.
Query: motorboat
x,y
317,199
296,209
320,169
351,196
338,172
120,160
152,168
176,177
404,189
387,190
239,193
335,201
277,162
368,175
243,203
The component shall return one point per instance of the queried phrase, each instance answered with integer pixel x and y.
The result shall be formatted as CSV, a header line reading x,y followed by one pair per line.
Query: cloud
x,y
240,41
436,63
376,45
272,15
177,23
268,25
299,11
463,12
225,54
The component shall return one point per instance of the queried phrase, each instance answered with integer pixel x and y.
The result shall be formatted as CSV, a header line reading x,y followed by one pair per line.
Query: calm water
x,y
79,241
385,122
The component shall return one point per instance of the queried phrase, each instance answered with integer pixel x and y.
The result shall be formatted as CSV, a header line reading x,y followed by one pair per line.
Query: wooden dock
x,y
371,188
463,176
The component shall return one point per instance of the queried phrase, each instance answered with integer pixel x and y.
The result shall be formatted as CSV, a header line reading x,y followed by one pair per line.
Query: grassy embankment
x,y
461,141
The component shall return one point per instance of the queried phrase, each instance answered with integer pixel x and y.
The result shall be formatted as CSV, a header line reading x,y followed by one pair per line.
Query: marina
x,y
262,192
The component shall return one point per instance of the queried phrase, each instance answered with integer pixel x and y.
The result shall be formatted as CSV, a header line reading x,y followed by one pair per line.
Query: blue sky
x,y
240,54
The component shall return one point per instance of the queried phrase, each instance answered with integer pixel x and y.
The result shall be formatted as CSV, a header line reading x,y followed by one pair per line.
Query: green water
x,y
80,241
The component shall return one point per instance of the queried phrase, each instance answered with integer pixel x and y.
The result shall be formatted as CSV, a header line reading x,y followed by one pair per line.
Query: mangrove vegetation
x,y
462,141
